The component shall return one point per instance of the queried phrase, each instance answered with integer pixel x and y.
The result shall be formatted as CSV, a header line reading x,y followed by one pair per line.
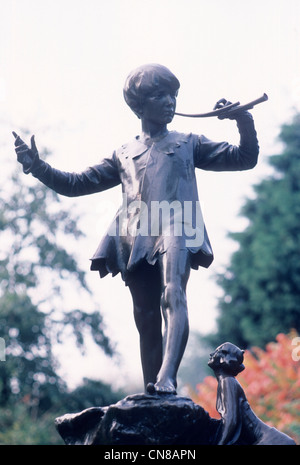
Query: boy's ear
x,y
139,111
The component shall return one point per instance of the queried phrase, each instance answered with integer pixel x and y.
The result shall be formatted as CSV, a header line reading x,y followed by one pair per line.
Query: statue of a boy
x,y
158,234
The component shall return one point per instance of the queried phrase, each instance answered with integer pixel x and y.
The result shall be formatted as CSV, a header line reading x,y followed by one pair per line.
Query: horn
x,y
226,110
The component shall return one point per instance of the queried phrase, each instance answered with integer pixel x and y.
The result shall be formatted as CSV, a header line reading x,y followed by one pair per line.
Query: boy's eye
x,y
158,96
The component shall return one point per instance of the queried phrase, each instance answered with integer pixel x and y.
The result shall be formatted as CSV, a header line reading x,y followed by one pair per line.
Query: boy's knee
x,y
173,296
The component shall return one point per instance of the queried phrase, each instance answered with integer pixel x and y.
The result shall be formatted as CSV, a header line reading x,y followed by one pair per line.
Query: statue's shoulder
x,y
136,146
125,146
176,136
183,139
132,148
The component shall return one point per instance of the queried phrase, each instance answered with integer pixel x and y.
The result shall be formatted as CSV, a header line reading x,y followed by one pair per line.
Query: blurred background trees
x,y
260,306
39,275
261,286
41,285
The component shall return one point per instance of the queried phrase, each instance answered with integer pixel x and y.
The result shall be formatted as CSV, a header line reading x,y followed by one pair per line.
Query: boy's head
x,y
143,81
227,358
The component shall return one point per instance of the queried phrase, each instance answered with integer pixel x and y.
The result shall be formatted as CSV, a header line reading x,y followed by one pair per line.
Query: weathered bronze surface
x,y
158,233
239,424
157,419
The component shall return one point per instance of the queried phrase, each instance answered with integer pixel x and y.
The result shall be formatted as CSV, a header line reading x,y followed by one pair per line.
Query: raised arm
x,y
222,156
95,179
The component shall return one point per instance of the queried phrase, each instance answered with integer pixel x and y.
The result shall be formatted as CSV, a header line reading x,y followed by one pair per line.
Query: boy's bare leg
x,y
175,270
145,288
150,344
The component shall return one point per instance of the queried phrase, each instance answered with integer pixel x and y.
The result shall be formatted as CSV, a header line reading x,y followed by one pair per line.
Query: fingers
x,y
33,146
21,146
222,103
25,155
18,140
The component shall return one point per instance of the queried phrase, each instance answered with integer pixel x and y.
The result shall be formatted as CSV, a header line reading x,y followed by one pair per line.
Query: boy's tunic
x,y
160,198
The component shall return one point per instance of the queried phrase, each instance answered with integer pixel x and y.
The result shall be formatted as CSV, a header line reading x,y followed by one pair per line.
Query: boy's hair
x,y
144,80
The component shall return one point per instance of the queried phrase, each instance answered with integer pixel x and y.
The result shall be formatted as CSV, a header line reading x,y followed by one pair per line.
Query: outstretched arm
x,y
95,179
222,156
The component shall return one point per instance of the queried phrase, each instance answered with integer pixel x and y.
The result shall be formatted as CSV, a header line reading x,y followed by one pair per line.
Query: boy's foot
x,y
161,388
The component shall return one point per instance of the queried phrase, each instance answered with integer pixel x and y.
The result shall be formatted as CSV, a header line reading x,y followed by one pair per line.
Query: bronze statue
x,y
158,233
239,424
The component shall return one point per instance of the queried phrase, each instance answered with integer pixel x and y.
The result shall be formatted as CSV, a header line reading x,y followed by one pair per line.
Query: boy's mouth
x,y
169,113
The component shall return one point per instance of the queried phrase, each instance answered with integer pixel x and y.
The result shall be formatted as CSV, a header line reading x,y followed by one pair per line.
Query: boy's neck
x,y
151,130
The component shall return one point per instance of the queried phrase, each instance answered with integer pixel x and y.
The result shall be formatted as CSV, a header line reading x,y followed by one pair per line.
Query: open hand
x,y
25,155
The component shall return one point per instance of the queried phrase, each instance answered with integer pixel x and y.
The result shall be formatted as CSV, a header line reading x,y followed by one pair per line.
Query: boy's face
x,y
159,106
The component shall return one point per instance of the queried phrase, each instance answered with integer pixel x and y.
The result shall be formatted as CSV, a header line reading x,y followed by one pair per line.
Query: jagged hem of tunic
x,y
102,265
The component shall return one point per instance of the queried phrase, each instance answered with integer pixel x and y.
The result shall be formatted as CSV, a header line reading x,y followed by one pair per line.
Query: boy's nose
x,y
170,100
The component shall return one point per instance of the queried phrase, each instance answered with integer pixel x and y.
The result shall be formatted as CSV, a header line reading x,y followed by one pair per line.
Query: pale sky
x,y
63,66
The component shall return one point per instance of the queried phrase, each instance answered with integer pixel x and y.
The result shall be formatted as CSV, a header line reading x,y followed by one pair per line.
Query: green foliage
x,y
25,423
19,427
262,284
37,269
91,393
